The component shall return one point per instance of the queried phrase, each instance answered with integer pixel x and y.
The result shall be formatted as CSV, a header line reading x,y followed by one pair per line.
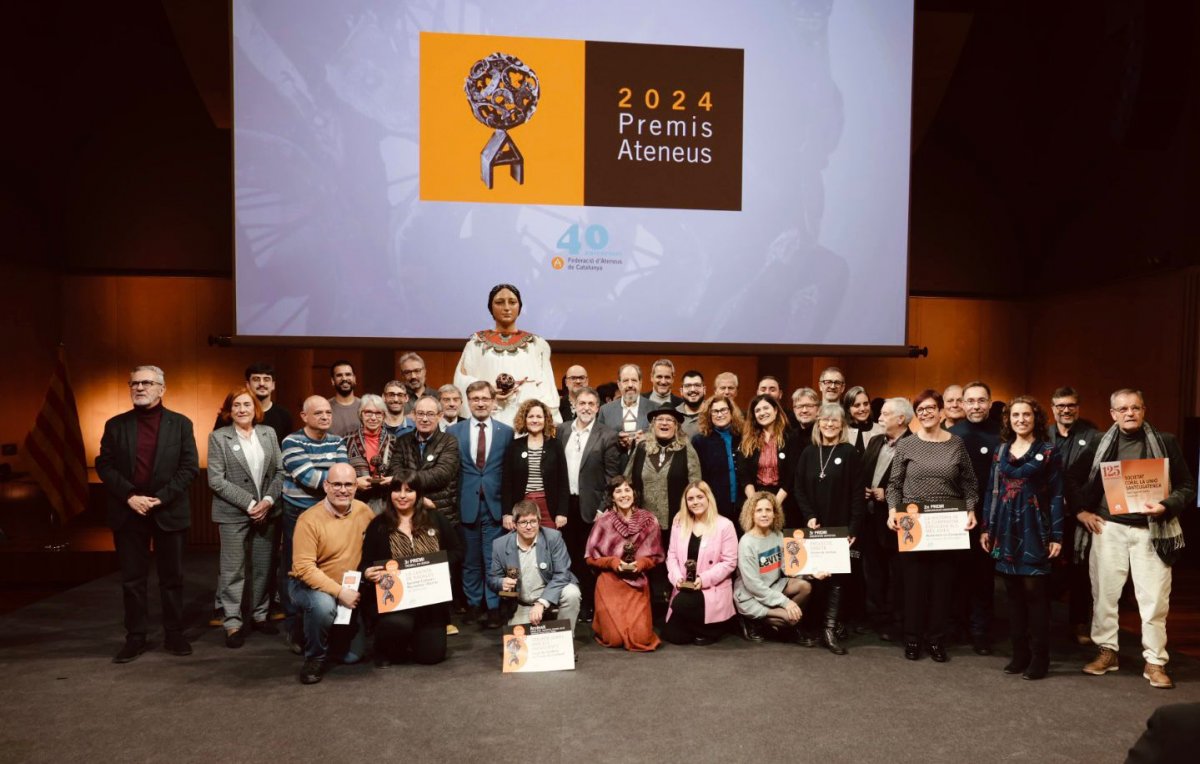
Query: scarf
x,y
1165,535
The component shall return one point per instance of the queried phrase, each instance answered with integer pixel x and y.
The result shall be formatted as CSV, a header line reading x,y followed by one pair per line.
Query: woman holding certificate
x,y
829,493
933,466
625,543
767,457
764,597
1022,530
536,465
406,528
700,564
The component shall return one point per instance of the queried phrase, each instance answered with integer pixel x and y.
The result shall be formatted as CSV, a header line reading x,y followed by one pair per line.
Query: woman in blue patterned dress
x,y
1022,529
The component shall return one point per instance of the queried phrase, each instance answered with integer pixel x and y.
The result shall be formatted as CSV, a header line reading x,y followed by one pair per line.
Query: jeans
x,y
291,513
321,637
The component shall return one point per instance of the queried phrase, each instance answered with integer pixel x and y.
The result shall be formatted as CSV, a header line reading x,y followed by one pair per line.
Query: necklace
x,y
821,458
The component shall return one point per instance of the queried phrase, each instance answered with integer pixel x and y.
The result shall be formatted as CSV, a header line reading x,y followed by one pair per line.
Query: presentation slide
x,y
676,172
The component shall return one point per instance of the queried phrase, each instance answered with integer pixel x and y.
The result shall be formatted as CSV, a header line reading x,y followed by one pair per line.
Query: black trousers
x,y
928,591
687,620
882,578
575,535
411,635
132,541
1072,577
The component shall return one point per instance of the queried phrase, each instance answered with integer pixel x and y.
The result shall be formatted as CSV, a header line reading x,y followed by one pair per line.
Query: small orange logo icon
x,y
557,263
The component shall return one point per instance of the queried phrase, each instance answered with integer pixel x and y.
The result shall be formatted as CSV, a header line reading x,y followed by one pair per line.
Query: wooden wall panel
x,y
1097,340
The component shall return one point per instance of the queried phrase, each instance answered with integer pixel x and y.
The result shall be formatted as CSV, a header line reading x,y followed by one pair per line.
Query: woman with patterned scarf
x,y
625,543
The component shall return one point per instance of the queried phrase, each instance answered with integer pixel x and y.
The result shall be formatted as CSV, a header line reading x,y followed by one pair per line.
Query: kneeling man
x,y
544,580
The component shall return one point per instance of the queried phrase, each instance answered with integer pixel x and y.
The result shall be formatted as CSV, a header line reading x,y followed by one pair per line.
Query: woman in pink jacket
x,y
700,564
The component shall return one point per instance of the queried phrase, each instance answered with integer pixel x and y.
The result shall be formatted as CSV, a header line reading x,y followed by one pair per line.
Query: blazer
x,y
714,470
229,477
481,490
176,464
675,401
554,474
601,462
554,563
789,450
714,569
610,414
437,471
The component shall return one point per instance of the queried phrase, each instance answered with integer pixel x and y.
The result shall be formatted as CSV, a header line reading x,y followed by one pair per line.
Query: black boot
x,y
830,636
1020,656
1039,662
750,629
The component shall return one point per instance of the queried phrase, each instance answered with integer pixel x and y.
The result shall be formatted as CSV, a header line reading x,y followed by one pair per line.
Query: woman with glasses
x,y
931,467
720,423
515,362
535,466
245,473
857,405
625,543
829,494
406,528
369,449
1022,530
768,454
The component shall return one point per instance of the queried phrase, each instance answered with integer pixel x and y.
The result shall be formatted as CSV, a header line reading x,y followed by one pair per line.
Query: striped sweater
x,y
305,463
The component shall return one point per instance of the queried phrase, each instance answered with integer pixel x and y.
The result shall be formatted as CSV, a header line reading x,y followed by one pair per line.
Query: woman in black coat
x,y
535,466
829,493
717,446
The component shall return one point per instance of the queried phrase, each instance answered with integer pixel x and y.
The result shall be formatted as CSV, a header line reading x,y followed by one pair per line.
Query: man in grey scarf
x,y
1142,543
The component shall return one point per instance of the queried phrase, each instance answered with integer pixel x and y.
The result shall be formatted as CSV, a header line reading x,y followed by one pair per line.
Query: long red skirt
x,y
623,617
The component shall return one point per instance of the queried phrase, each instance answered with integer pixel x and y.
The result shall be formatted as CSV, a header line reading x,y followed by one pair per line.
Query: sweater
x,y
305,464
325,546
757,588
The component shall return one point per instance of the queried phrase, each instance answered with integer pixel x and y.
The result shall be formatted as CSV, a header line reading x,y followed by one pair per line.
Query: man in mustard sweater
x,y
328,542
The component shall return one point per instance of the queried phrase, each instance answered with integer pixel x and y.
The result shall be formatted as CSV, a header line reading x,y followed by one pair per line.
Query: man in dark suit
x,y
881,570
1076,441
593,457
544,581
147,460
482,442
433,455
627,416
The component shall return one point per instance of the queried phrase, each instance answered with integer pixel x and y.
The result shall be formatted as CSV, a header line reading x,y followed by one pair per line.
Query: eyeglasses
x,y
340,486
372,413
134,384
715,412
425,414
528,522
692,385
1128,410
1065,406
832,383
927,410
577,378
395,395
412,372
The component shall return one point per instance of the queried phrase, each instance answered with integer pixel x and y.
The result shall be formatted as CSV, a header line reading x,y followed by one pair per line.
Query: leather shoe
x,y
912,650
134,646
492,620
312,671
981,645
236,638
703,641
805,638
295,646
937,651
750,630
265,627
175,644
586,614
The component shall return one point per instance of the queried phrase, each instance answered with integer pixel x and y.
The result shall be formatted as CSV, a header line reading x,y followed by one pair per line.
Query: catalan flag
x,y
55,446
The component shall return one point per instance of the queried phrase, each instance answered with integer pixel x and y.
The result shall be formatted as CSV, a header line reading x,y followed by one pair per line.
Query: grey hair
x,y
158,373
436,401
663,362
371,401
804,392
831,411
903,407
449,388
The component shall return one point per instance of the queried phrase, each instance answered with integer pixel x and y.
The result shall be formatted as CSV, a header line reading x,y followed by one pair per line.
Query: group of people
x,y
650,508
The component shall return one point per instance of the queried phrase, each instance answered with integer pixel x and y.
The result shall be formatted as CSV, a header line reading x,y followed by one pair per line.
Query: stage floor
x,y
64,700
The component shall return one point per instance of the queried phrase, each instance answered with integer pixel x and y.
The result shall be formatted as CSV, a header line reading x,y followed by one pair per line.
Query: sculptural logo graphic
x,y
503,93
